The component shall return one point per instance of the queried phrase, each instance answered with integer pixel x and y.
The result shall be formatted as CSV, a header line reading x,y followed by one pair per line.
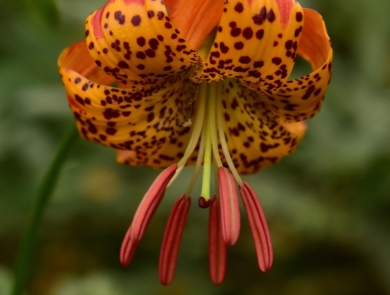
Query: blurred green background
x,y
327,205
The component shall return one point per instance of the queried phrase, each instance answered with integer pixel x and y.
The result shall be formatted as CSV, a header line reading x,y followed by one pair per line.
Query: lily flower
x,y
202,83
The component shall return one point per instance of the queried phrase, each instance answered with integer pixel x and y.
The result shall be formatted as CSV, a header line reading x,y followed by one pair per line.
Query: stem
x,y
23,259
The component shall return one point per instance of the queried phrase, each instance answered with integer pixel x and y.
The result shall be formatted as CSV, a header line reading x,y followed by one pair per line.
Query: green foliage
x,y
47,9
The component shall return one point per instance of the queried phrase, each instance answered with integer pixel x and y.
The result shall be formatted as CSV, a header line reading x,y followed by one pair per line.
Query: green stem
x,y
23,259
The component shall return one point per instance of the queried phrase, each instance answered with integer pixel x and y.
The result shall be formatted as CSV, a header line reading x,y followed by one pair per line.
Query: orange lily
x,y
205,83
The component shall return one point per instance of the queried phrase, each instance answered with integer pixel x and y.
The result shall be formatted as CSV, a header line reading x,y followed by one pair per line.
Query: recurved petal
x,y
146,120
300,99
256,137
256,41
77,59
135,41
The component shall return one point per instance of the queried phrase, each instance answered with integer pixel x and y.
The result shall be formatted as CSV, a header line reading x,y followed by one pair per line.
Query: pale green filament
x,y
213,123
222,139
198,124
196,132
177,173
208,126
198,163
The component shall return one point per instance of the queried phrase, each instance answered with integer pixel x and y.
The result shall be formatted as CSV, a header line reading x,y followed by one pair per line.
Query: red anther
x,y
172,238
259,227
230,208
217,245
150,202
127,249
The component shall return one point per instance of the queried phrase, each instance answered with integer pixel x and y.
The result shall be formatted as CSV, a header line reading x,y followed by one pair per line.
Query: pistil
x,y
205,193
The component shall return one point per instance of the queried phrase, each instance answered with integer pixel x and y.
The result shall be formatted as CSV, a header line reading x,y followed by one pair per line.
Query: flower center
x,y
209,135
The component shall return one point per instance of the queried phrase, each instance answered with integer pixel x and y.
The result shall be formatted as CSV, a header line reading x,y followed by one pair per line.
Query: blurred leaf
x,y
5,281
47,9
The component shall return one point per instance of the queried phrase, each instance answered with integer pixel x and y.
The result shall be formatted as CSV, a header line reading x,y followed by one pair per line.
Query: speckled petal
x,y
135,41
300,99
255,136
256,41
148,121
77,57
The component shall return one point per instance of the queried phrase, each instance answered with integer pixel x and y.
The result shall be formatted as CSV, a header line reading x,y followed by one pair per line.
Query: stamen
x,y
217,246
149,204
196,133
172,237
198,125
198,164
222,138
177,173
230,208
259,227
213,123
127,249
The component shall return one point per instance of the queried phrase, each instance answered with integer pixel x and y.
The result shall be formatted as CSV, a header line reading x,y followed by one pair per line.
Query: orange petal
x,y
300,99
77,58
256,41
135,41
195,19
256,137
314,45
298,128
146,121
168,3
